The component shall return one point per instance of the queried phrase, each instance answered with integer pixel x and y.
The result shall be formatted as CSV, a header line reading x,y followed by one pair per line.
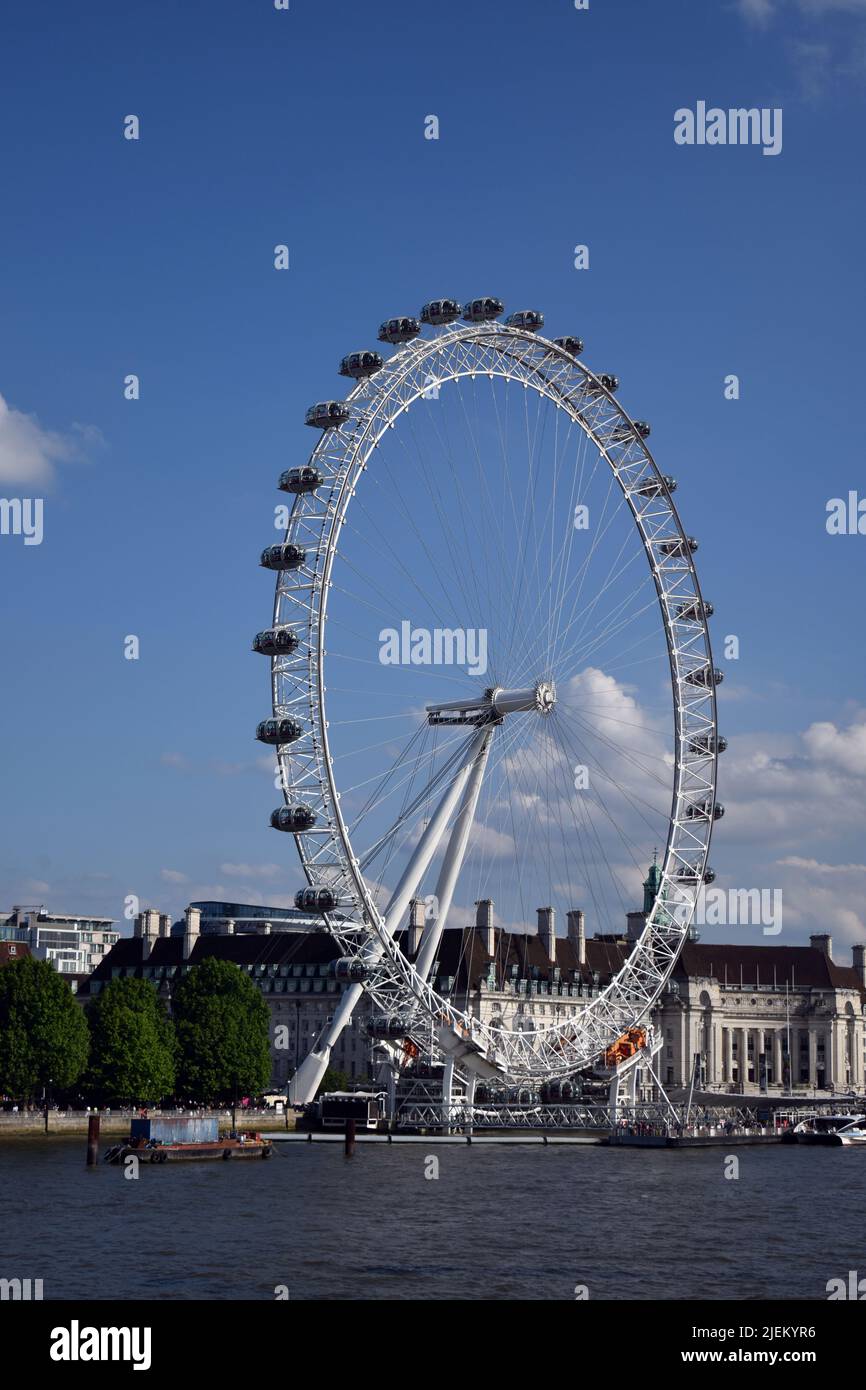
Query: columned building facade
x,y
752,1019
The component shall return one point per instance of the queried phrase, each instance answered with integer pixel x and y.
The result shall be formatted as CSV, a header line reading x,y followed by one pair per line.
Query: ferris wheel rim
x,y
403,366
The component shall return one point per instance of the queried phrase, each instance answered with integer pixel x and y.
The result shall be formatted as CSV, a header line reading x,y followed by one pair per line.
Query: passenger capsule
x,y
482,310
690,873
399,330
316,899
297,480
327,415
350,970
573,346
707,743
706,677
654,487
529,319
294,819
624,432
679,547
610,383
388,1028
440,311
705,810
279,730
276,641
282,557
361,364
693,610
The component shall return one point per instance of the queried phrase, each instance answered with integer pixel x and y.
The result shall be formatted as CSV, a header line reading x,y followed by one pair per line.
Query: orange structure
x,y
625,1047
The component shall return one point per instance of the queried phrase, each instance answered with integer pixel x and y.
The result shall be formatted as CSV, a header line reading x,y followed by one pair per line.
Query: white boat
x,y
823,1129
854,1133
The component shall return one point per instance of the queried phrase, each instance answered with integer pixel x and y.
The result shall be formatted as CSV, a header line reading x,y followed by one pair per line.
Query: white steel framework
x,y
372,959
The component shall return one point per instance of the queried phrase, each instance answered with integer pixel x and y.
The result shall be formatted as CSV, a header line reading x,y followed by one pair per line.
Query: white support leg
x,y
447,1093
307,1078
471,1083
453,861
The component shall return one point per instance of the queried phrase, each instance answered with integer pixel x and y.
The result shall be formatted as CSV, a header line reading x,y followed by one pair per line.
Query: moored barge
x,y
164,1140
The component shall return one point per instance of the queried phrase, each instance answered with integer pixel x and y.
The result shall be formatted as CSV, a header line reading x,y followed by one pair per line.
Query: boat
x,y
164,1140
820,1129
854,1133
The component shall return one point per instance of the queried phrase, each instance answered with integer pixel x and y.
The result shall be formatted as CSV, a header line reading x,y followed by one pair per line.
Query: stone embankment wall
x,y
116,1122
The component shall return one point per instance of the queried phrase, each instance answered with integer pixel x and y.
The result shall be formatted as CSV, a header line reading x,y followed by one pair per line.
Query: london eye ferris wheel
x,y
492,678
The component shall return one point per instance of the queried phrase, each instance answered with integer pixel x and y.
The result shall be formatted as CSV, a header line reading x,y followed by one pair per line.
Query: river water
x,y
499,1222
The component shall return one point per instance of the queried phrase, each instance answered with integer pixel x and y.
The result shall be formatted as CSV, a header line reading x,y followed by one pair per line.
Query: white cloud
x,y
821,897
29,453
762,11
173,876
814,866
819,56
174,760
844,749
756,11
251,871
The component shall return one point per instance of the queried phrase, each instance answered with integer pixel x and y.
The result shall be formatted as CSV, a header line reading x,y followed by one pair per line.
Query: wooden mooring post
x,y
92,1140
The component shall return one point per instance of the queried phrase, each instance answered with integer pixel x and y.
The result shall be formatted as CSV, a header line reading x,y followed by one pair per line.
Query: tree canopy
x,y
132,1044
44,1040
221,1022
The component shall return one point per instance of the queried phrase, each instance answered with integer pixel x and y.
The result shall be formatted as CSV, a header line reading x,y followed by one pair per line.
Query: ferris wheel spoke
x,y
637,803
600,533
580,636
454,570
480,535
577,580
615,822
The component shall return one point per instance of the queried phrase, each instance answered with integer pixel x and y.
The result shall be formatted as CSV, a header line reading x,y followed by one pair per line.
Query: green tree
x,y
222,1024
334,1080
132,1044
44,1038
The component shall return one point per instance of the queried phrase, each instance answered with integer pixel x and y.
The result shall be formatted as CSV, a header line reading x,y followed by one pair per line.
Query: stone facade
x,y
765,1018
725,1003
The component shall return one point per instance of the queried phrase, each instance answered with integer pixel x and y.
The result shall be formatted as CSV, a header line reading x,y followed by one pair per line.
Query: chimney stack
x,y
858,960
484,924
636,923
192,929
547,931
577,933
164,924
416,926
824,943
149,931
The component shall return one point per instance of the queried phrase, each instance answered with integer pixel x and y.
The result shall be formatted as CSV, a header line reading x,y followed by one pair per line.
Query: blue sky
x,y
306,127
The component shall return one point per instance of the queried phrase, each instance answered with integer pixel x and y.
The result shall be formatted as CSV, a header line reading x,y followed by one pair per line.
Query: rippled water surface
x,y
499,1223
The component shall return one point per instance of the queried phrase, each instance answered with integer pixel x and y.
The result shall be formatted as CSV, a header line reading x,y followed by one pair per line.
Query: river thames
x,y
499,1222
